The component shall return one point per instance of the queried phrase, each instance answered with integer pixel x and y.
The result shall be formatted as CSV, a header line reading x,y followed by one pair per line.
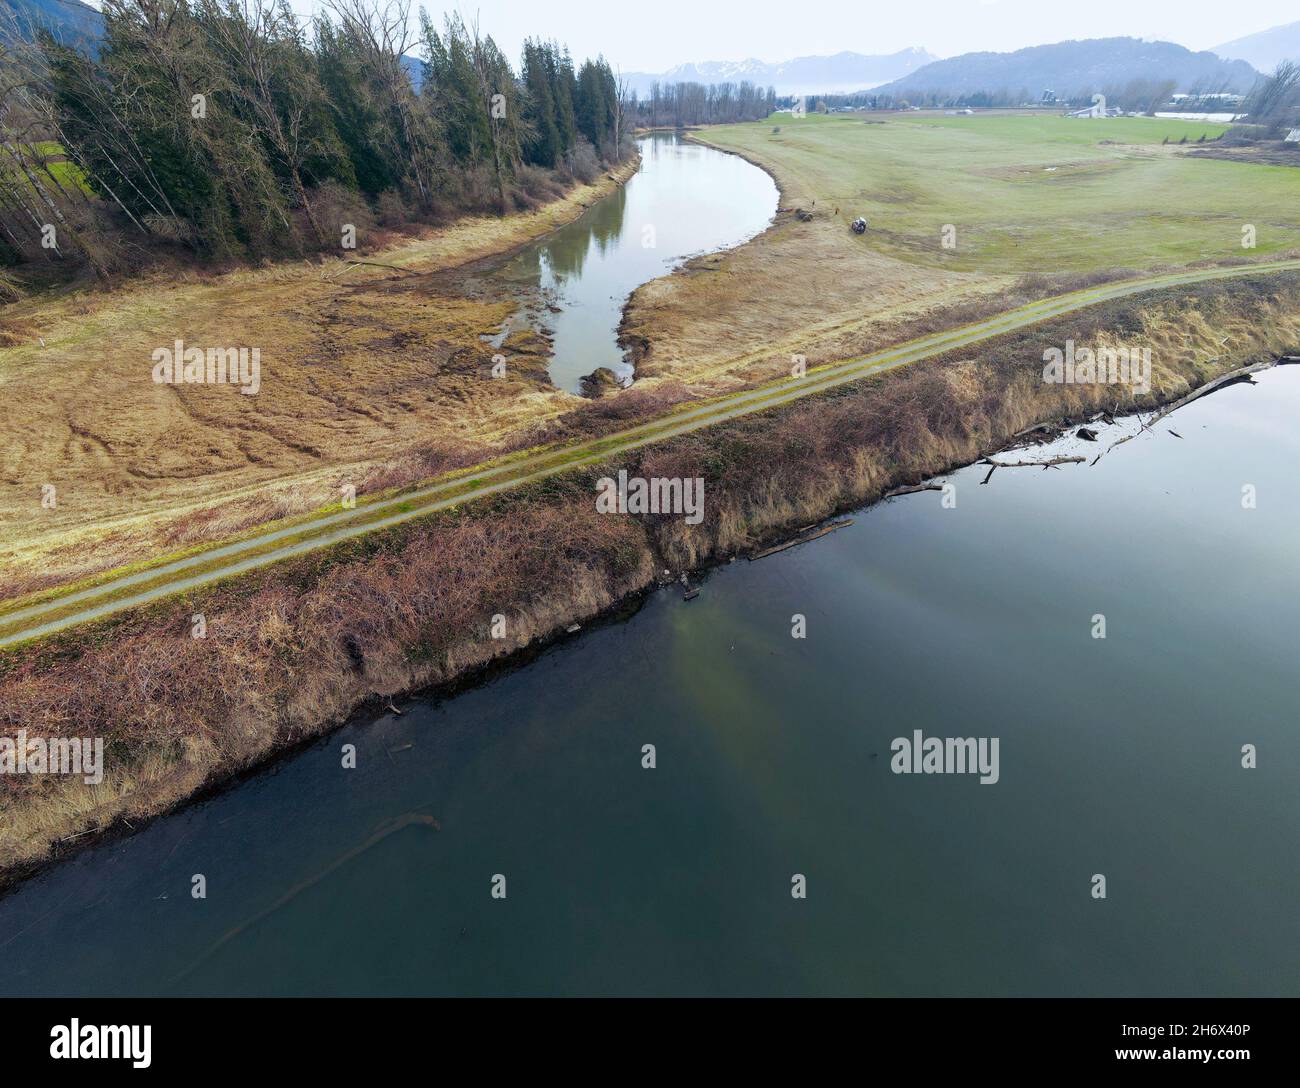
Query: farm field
x,y
1029,194
1036,203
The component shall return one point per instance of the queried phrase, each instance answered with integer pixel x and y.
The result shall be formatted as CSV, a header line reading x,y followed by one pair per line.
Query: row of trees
x,y
229,127
1272,109
700,104
1274,105
1136,96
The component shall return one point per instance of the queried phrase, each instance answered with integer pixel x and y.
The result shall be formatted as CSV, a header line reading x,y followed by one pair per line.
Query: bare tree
x,y
383,30
1275,101
260,43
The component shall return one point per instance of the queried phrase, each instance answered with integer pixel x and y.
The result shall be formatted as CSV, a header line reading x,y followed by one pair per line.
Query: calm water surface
x,y
685,200
1119,757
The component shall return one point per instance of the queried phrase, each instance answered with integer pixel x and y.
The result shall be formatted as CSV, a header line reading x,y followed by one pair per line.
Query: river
x,y
1119,756
685,200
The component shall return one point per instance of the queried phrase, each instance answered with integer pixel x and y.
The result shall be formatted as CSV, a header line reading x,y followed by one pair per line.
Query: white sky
x,y
654,35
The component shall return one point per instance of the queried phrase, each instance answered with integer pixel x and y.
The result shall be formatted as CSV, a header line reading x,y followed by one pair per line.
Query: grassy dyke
x,y
293,651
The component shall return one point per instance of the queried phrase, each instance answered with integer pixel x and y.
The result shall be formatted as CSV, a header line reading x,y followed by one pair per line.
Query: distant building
x,y
1048,99
1293,137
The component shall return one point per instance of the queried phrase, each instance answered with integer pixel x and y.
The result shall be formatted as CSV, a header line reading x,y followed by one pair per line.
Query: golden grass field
x,y
371,378
363,371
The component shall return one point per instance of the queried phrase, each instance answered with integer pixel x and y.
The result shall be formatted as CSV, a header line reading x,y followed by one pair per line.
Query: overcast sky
x,y
653,35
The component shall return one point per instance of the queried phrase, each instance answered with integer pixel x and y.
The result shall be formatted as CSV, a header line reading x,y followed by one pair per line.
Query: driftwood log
x,y
912,490
1232,377
1051,462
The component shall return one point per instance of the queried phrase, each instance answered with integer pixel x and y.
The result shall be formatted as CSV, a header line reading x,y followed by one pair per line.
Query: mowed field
x,y
1030,193
1034,204
372,380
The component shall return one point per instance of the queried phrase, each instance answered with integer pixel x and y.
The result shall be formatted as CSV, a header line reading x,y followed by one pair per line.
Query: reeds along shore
x,y
295,650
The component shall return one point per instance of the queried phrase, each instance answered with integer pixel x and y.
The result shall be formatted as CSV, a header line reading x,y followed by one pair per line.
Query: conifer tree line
x,y
679,104
229,128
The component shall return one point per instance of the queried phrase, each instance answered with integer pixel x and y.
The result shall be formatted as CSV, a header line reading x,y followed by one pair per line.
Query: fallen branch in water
x,y
1050,463
1231,378
912,490
805,535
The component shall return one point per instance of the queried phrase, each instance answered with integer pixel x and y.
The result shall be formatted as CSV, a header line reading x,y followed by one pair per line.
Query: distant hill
x,y
1265,49
414,68
73,22
1075,67
69,21
841,73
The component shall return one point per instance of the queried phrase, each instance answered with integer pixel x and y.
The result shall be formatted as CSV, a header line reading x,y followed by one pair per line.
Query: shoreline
x,y
468,665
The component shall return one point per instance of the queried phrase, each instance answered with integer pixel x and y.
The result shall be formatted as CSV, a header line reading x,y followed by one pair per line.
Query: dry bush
x,y
538,184
334,205
391,209
582,163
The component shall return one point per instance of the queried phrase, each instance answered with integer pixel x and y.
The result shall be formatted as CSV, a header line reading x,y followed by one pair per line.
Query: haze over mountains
x,y
1067,68
1266,49
1071,68
68,20
841,73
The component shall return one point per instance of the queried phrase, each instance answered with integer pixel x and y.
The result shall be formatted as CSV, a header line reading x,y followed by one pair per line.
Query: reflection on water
x,y
685,200
1119,756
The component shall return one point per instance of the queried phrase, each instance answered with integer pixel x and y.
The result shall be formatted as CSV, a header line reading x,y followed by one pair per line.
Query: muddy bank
x,y
293,652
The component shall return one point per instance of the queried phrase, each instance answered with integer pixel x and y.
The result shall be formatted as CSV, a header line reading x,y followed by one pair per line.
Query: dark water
x,y
1118,756
685,200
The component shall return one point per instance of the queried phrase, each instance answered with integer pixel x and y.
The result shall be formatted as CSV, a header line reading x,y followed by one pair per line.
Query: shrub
x,y
582,163
334,205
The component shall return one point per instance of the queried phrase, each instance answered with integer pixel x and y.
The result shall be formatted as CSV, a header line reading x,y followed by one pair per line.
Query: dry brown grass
x,y
361,372
734,318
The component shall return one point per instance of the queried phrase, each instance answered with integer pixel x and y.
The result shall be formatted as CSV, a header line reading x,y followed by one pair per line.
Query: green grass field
x,y
1030,193
67,173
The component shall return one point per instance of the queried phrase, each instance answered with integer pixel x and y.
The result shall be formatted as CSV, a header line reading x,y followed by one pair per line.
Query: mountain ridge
x,y
1072,68
1266,49
69,21
838,73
